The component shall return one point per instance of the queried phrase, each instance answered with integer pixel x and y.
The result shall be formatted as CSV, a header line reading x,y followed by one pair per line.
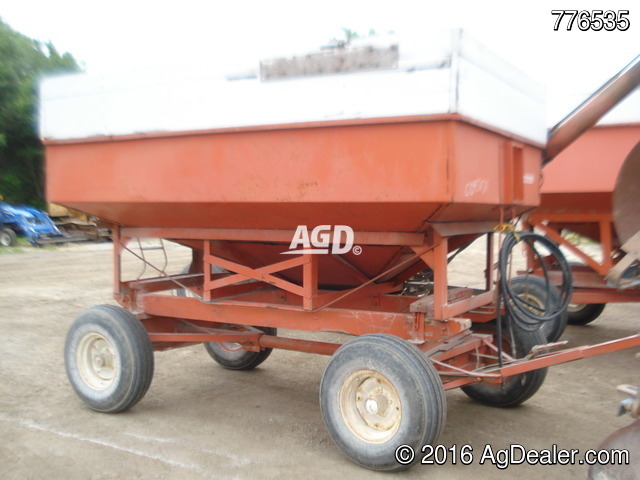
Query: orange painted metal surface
x,y
580,185
383,176
581,181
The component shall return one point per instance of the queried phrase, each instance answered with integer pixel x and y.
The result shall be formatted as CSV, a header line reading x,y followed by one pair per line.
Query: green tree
x,y
23,61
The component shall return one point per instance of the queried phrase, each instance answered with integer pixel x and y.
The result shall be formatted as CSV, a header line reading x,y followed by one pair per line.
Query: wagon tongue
x,y
592,109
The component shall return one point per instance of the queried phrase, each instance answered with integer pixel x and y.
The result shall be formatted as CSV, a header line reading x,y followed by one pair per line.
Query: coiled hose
x,y
526,315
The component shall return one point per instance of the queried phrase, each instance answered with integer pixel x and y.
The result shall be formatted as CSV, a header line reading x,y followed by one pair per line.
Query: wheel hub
x,y
537,306
97,361
377,404
370,406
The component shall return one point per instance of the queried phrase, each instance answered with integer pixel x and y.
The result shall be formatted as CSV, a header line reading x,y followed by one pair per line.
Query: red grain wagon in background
x,y
308,197
591,189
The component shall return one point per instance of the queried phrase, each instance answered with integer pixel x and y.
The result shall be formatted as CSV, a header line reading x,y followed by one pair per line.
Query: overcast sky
x,y
134,34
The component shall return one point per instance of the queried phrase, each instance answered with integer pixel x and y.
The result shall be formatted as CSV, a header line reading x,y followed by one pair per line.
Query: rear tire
x,y
109,358
534,290
379,392
584,313
232,356
518,388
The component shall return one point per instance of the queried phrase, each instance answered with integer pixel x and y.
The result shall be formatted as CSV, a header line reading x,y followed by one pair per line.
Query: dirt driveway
x,y
201,421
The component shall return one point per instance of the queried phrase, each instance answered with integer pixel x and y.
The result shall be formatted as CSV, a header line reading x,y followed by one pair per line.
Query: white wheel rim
x,y
370,406
231,347
97,361
575,307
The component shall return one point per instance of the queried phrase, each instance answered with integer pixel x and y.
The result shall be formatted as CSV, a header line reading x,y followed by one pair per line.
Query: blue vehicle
x,y
7,235
29,222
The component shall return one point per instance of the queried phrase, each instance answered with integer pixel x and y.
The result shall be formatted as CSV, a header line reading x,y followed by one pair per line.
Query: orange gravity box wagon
x,y
310,194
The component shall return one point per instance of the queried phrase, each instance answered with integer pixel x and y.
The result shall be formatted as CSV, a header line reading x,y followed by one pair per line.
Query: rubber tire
x,y
184,292
239,359
7,237
416,382
132,347
536,287
587,314
516,389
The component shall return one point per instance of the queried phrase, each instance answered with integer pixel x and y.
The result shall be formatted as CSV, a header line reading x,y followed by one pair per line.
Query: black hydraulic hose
x,y
525,314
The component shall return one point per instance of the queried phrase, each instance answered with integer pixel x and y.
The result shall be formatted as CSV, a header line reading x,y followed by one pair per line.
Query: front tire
x,y
379,392
109,358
